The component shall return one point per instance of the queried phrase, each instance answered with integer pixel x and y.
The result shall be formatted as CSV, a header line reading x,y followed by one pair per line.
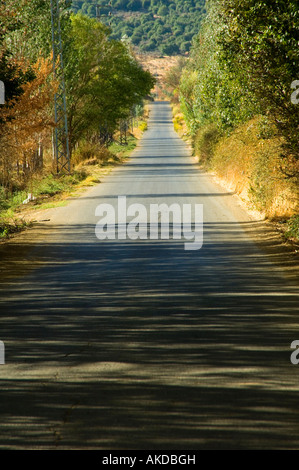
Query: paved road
x,y
141,344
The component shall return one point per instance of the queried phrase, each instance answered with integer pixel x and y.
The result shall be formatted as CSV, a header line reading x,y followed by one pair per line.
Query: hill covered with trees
x,y
166,26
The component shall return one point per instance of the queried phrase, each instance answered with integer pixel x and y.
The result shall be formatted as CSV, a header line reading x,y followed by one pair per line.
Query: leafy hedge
x,y
243,66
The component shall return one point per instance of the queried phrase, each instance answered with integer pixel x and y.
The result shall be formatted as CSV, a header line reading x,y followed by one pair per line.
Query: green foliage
x,y
205,142
95,64
172,80
242,64
11,202
6,228
104,83
210,91
240,72
151,25
259,42
12,26
33,27
53,184
292,229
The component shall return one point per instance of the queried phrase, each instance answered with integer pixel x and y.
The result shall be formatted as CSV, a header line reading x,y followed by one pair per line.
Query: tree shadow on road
x,y
143,345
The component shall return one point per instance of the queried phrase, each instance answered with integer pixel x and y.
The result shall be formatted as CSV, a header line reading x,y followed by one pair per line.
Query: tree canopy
x,y
243,63
103,80
239,96
166,26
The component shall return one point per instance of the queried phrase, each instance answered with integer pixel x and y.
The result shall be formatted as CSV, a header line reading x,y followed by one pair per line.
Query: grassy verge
x,y
51,191
251,165
248,162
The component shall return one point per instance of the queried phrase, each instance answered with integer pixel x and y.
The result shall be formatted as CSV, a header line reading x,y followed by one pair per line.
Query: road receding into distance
x,y
141,343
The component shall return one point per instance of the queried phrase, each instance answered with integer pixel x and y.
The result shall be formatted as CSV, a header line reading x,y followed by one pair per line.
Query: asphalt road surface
x,y
141,343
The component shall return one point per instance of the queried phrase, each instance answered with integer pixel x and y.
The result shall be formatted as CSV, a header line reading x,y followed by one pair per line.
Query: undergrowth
x,y
45,191
251,164
248,161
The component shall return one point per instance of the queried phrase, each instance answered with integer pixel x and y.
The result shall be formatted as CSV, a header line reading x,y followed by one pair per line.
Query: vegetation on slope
x,y
166,26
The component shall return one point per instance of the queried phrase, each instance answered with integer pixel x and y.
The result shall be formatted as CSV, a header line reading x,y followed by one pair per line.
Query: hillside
x,y
164,26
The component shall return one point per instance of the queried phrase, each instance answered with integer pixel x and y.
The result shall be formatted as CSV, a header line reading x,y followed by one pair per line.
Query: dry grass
x,y
89,153
251,167
90,163
159,67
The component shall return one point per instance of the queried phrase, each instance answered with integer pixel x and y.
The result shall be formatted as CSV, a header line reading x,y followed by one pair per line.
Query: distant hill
x,y
160,26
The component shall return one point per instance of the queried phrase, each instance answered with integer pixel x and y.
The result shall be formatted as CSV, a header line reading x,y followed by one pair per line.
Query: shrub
x,y
205,141
87,151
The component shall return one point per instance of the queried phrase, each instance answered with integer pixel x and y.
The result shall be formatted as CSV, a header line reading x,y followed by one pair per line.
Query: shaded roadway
x,y
140,344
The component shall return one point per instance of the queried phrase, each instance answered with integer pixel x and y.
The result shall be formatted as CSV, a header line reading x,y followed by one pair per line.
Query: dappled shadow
x,y
123,344
143,345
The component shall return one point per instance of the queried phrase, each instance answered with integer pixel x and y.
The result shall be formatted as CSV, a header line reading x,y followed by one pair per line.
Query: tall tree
x,y
259,42
103,79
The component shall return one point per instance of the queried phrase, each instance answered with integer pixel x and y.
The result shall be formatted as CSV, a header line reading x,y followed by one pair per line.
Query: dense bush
x,y
241,70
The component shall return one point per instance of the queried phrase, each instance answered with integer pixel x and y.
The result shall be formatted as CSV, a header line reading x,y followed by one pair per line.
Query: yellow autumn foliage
x,y
26,123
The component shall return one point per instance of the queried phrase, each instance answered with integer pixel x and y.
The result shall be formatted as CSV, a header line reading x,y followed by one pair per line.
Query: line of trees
x,y
243,63
104,83
242,66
